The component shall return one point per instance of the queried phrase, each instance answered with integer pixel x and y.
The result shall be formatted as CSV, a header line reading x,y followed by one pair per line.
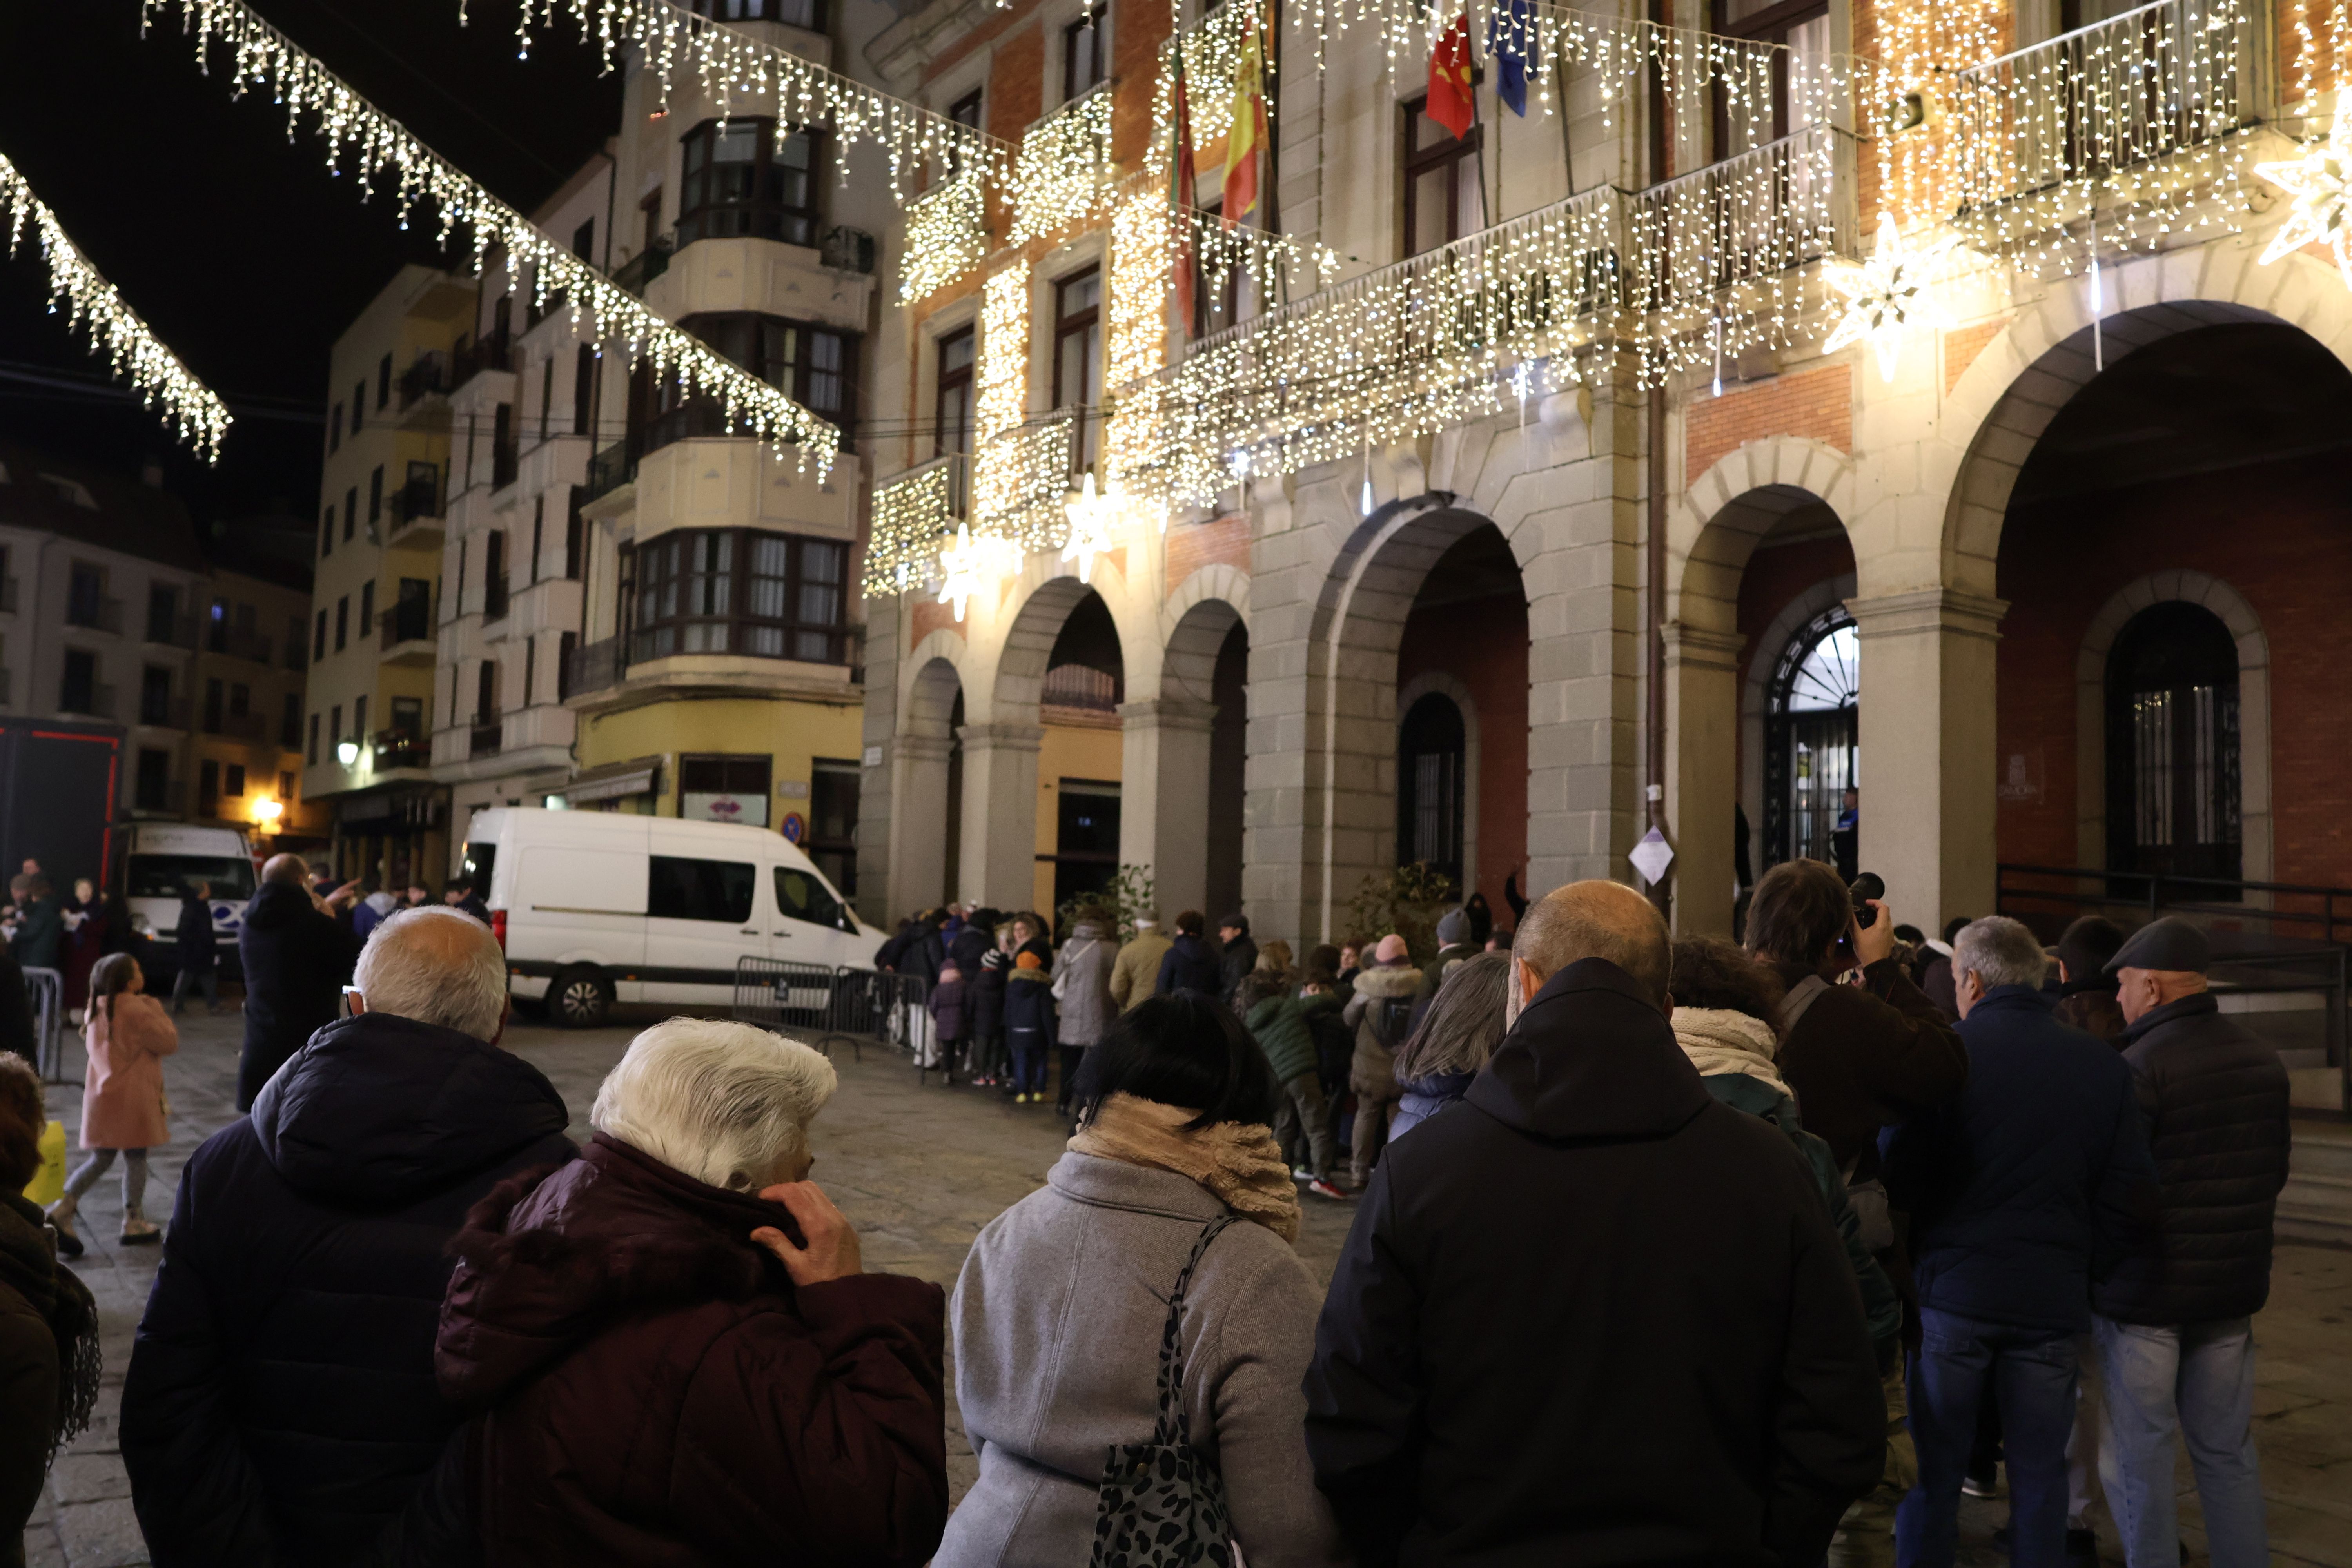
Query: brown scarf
x,y
1239,1162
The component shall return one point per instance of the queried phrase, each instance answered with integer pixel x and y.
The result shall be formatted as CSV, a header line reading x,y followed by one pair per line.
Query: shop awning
x,y
639,775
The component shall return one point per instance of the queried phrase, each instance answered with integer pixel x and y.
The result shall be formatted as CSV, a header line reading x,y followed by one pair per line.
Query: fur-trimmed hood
x,y
553,1256
1388,984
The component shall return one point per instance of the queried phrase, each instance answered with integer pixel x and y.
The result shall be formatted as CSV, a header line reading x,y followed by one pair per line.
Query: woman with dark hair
x,y
1064,1301
1458,1031
126,1035
48,1324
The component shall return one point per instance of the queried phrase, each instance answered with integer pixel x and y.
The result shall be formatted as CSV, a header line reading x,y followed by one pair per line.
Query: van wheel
x,y
578,998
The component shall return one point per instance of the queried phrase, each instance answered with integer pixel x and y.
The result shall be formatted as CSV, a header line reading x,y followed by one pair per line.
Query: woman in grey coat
x,y
1082,982
1058,1314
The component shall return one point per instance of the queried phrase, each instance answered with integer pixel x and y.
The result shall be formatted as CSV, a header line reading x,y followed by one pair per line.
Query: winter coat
x,y
297,962
1377,1012
1044,1399
1425,1097
1663,1361
1283,1027
1084,973
1029,1020
1189,966
85,943
195,947
31,1378
1135,973
946,1004
988,994
2214,1099
1870,1057
1235,962
19,1031
2033,1181
127,1037
372,910
2092,1008
971,947
924,954
280,1404
655,1390
40,935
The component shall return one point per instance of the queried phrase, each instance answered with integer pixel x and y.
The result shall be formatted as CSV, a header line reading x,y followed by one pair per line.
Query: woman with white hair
x,y
675,1353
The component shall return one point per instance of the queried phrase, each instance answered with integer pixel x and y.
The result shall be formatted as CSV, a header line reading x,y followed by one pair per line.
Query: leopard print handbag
x,y
1162,1504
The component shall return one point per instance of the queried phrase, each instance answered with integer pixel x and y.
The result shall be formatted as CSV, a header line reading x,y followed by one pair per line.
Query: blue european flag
x,y
1511,39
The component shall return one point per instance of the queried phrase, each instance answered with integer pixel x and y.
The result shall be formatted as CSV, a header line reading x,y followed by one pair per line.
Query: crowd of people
x,y
1660,1251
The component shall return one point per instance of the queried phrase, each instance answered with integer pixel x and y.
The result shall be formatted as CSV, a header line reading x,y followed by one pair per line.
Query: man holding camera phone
x,y
1861,1057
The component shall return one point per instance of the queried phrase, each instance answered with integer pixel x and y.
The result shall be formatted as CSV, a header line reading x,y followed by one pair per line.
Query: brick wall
x,y
1137,32
2279,534
1962,346
928,616
1195,545
1816,403
1483,644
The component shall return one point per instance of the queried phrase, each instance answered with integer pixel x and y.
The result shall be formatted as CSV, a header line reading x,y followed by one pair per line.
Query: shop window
x,y
724,787
740,180
1085,838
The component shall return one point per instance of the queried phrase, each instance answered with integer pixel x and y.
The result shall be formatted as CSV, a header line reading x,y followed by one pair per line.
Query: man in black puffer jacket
x,y
2173,1320
296,956
281,1405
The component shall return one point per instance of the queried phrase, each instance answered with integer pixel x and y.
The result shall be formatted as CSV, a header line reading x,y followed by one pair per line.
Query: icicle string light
x,y
1062,174
133,352
379,150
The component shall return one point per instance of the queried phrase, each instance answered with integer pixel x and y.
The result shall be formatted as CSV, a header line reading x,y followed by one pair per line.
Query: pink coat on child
x,y
128,1035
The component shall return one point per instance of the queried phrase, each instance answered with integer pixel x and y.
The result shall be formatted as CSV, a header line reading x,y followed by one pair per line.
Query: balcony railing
x,y
913,514
1063,166
846,249
101,615
471,359
608,470
406,621
1747,219
399,749
2117,94
1022,478
1080,686
416,500
647,264
483,740
427,376
596,667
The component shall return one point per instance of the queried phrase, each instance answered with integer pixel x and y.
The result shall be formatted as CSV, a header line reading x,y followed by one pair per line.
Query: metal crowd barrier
x,y
852,1006
46,990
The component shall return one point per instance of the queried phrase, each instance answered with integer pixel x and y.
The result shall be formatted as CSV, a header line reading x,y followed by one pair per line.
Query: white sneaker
x,y
1301,1174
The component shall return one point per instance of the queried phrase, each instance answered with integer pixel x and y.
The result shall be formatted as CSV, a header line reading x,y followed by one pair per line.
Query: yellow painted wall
x,y
794,733
1068,750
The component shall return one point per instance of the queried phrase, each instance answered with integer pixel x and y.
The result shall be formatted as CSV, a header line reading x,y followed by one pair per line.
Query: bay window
x,y
742,180
741,591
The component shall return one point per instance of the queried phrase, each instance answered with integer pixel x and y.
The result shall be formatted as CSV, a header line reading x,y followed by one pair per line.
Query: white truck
x,y
160,862
594,907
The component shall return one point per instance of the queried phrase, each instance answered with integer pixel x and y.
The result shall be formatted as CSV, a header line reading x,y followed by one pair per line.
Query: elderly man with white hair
x,y
678,1353
280,1404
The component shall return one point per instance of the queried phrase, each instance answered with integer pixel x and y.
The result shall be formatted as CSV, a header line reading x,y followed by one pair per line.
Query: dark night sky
x,y
239,249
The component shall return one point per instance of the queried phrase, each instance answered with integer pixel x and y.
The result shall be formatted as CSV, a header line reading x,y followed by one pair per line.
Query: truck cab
x,y
160,862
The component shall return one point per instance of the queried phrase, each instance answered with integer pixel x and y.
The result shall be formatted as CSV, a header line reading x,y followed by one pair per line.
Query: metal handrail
x,y
2335,910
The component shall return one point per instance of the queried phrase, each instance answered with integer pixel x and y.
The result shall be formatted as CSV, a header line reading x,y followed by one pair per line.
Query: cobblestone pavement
x,y
920,1169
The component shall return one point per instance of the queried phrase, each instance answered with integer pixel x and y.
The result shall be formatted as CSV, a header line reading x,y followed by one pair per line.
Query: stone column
x,y
1927,766
1164,807
916,861
1000,815
1702,773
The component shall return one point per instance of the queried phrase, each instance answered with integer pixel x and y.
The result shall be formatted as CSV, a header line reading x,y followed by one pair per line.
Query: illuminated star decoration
x,y
1885,295
1092,512
962,565
2320,181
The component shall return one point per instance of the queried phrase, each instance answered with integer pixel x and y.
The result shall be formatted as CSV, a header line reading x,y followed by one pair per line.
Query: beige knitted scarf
x,y
1239,1162
1718,1040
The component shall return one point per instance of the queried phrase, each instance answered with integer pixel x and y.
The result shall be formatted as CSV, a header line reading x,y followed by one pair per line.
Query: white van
x,y
596,907
161,860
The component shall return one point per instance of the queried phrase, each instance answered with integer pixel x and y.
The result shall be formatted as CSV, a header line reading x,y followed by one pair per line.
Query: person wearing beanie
x,y
2086,992
1455,944
1381,1013
2173,1322
1030,1025
1136,969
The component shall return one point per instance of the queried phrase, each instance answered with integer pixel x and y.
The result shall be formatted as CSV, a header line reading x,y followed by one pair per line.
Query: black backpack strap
x,y
1174,1425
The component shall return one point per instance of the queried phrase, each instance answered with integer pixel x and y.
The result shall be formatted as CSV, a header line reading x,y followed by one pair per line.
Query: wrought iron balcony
x,y
399,749
426,376
406,621
609,470
491,352
482,740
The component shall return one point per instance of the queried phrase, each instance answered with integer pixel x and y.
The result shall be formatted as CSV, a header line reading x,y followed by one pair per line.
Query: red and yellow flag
x,y
1449,78
1247,134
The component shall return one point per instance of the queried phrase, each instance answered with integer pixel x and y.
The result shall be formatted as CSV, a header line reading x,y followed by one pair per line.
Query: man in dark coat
x,y
280,1404
1664,1360
1188,963
297,958
196,951
1236,954
2086,992
2021,1191
2176,1344
41,939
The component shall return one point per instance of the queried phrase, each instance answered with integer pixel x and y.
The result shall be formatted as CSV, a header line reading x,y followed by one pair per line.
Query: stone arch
x,y
2254,781
1715,525
1046,594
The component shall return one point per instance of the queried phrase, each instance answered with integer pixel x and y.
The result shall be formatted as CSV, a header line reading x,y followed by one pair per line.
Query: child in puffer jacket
x,y
948,1018
1030,1026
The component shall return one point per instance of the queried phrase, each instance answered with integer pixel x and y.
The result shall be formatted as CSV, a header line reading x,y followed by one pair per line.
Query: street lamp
x,y
347,753
270,814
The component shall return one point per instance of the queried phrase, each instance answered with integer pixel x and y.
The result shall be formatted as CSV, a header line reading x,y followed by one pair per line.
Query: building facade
x,y
378,589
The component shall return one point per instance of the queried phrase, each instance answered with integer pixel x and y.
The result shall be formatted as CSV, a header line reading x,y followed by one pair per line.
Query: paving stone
x,y
101,1534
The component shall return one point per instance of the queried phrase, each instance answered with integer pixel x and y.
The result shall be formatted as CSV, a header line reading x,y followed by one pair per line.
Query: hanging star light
x,y
1884,296
2320,181
962,565
1093,513
130,347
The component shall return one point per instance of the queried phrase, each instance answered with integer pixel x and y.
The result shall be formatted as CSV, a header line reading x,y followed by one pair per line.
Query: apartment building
x,y
366,737
525,407
245,696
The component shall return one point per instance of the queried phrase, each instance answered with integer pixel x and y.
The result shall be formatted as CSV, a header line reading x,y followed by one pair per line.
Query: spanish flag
x,y
1248,131
1449,78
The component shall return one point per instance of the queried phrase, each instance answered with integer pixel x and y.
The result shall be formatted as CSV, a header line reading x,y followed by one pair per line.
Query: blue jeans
x,y
1028,1064
2032,1375
2196,1379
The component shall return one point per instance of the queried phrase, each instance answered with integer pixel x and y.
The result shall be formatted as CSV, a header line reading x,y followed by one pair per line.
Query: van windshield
x,y
481,859
171,875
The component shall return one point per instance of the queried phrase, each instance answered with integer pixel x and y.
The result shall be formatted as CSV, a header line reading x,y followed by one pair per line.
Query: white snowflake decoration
x,y
1092,514
2320,181
1884,296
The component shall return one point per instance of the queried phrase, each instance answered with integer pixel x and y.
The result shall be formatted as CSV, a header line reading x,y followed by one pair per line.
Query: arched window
x,y
2172,745
1430,758
1811,755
